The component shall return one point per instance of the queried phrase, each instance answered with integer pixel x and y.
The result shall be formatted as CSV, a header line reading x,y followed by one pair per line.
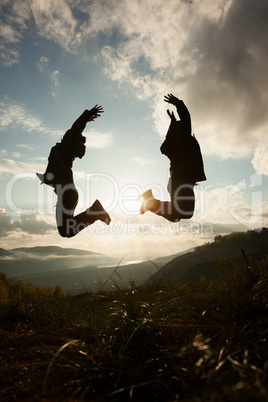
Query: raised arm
x,y
88,115
182,110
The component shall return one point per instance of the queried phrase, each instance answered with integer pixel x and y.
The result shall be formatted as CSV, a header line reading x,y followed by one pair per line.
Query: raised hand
x,y
169,98
171,115
95,112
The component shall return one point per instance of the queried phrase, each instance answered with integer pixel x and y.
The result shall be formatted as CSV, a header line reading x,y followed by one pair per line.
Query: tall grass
x,y
204,341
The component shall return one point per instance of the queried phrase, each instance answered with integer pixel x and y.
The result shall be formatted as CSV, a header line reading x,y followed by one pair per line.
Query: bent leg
x,y
180,207
182,200
66,204
92,214
68,224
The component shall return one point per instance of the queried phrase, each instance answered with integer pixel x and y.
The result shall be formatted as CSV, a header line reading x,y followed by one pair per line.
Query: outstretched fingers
x,y
98,108
170,98
95,112
171,115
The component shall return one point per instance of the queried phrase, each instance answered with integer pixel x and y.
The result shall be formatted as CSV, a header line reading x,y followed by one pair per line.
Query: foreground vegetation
x,y
204,341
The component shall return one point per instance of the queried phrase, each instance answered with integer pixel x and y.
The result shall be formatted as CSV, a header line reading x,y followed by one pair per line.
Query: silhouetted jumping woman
x,y
59,175
186,167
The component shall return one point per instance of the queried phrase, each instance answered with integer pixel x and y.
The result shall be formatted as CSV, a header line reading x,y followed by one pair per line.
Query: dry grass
x,y
203,341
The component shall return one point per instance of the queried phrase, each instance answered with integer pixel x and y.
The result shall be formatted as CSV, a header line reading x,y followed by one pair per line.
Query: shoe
x,y
146,195
44,179
148,201
100,212
143,208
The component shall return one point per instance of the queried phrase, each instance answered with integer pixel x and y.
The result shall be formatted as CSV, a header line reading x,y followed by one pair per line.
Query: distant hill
x,y
4,253
204,259
41,260
167,258
73,269
52,250
76,270
31,260
91,278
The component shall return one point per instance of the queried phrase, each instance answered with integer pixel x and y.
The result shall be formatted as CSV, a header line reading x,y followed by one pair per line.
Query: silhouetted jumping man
x,y
59,175
186,167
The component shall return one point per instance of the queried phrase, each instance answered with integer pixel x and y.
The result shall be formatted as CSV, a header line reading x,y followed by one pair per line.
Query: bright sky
x,y
61,57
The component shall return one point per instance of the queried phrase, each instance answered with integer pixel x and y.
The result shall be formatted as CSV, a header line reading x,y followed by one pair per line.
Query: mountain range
x,y
75,270
78,270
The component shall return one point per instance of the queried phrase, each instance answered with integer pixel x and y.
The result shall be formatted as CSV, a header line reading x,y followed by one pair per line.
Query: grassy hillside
x,y
203,260
201,341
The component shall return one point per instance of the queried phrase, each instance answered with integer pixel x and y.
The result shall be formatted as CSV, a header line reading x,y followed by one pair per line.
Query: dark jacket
x,y
183,150
63,154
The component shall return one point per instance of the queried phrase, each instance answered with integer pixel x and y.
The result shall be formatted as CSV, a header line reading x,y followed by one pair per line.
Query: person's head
x,y
79,149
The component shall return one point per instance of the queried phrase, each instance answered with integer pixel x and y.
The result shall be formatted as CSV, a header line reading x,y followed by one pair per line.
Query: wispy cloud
x,y
13,23
118,67
9,53
15,167
142,161
13,115
54,76
25,146
98,140
56,22
42,63
54,80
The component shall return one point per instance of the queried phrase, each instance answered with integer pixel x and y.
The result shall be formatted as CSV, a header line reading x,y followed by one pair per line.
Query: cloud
x,y
20,13
260,159
142,161
214,202
54,80
55,21
227,88
240,204
9,34
225,228
98,140
117,66
33,223
12,26
25,146
256,221
211,54
13,115
42,64
54,76
16,167
212,57
30,223
5,223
